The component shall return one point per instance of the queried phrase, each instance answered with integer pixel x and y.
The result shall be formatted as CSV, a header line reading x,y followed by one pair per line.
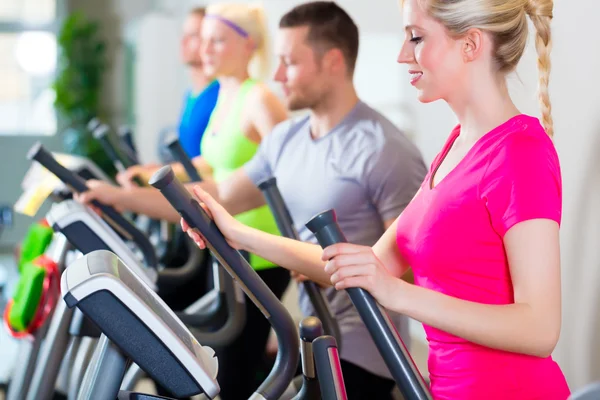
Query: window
x,y
28,57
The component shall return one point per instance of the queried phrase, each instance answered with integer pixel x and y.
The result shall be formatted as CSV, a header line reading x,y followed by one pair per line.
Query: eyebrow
x,y
409,27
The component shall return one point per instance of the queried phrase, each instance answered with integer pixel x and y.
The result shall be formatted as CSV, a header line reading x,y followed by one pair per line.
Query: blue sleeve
x,y
193,127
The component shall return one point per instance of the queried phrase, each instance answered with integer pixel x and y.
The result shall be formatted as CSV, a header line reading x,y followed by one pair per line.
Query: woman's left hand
x,y
351,265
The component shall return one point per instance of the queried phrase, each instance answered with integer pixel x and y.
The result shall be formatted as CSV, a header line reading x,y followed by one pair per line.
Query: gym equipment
x,y
285,224
30,344
119,157
138,325
36,241
172,143
122,225
216,319
87,232
329,369
34,272
39,184
236,265
588,392
389,343
126,135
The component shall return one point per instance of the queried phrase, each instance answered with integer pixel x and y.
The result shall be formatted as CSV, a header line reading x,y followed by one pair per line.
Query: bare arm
x,y
301,257
387,252
264,112
237,194
529,326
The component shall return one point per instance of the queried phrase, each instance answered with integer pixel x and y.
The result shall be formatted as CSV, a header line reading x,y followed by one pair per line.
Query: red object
x,y
49,298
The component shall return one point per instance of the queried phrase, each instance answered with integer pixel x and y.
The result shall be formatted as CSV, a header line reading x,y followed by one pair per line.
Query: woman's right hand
x,y
229,226
144,172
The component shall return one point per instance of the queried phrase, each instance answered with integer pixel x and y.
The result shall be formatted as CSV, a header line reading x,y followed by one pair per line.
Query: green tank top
x,y
228,150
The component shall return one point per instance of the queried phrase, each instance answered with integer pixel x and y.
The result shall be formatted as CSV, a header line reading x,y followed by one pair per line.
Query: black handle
x,y
285,224
287,357
116,220
310,329
235,316
180,155
120,160
329,369
126,136
385,336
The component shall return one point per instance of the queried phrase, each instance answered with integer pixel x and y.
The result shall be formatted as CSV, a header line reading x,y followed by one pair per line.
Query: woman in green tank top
x,y
234,51
246,109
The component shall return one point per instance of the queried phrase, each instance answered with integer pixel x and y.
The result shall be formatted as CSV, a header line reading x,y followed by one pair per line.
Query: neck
x,y
233,81
332,109
199,79
486,106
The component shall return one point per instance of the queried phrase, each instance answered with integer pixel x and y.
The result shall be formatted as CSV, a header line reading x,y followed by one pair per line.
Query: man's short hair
x,y
199,11
329,27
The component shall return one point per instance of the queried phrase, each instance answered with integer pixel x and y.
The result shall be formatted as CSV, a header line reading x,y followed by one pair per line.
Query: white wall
x,y
574,81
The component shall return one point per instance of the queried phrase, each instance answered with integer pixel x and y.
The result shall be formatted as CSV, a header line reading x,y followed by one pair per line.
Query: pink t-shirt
x,y
452,236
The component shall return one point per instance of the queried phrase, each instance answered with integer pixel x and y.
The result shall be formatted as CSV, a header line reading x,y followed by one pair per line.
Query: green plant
x,y
81,68
78,86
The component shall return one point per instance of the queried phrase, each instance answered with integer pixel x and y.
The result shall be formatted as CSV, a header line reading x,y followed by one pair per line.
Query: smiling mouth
x,y
415,76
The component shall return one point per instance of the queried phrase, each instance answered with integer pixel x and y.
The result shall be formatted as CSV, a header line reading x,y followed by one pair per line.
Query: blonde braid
x,y
540,13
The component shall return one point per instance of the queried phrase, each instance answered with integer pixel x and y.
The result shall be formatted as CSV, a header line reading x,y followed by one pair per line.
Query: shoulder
x,y
523,142
522,154
285,130
260,94
379,139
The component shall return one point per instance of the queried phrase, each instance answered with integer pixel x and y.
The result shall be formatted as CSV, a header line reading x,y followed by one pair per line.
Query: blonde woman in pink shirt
x,y
482,233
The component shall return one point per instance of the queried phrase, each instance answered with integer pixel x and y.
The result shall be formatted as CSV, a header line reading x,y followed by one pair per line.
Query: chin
x,y
425,97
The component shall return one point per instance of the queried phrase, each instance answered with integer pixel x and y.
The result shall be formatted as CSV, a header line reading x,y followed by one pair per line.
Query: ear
x,y
333,61
250,45
472,44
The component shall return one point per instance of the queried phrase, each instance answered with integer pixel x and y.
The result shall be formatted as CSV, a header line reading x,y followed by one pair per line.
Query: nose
x,y
205,47
280,73
406,55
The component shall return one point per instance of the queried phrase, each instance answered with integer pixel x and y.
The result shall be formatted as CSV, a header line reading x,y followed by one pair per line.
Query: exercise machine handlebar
x,y
236,265
385,336
285,224
77,184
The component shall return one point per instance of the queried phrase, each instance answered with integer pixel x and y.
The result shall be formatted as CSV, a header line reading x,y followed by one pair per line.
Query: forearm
x,y
234,200
180,172
512,327
148,201
290,254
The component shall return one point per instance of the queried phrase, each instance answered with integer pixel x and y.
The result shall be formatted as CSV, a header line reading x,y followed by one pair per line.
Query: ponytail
x,y
259,67
540,13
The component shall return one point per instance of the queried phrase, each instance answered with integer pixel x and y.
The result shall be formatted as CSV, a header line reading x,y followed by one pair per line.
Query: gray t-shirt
x,y
366,170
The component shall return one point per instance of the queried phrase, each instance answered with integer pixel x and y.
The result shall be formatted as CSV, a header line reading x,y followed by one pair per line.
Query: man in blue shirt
x,y
199,101
201,98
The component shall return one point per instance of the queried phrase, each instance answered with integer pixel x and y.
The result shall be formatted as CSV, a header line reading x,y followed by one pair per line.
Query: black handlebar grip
x,y
285,224
180,155
126,136
117,221
385,336
310,328
329,369
255,288
101,135
118,158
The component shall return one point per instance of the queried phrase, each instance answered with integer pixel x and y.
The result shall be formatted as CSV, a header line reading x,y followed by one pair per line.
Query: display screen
x,y
156,304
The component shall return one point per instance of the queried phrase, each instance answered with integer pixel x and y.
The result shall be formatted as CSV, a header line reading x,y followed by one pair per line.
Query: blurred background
x,y
120,60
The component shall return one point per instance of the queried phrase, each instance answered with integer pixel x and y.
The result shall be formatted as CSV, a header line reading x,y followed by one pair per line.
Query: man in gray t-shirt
x,y
366,170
